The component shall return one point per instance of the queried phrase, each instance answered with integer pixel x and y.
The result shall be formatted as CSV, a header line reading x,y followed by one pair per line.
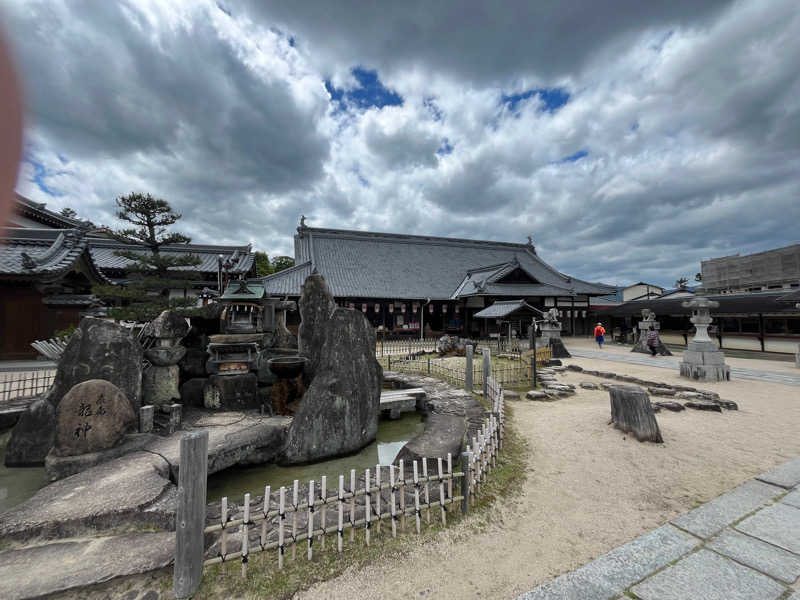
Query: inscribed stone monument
x,y
92,416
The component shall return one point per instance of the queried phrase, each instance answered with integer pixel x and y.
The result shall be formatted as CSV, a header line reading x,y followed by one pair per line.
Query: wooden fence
x,y
406,346
385,501
510,372
27,384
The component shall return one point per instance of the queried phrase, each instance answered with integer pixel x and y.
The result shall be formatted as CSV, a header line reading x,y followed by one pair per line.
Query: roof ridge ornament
x,y
530,244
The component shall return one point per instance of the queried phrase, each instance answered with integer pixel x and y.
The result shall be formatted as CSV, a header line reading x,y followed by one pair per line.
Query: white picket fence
x,y
17,385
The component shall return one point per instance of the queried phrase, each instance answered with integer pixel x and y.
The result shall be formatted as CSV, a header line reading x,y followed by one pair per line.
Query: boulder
x,y
451,346
588,385
510,395
168,325
703,405
192,392
94,415
165,356
535,395
577,368
338,413
100,350
661,391
32,437
232,392
670,405
632,412
160,386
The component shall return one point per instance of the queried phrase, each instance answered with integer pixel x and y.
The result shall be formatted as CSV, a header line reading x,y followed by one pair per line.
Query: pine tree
x,y
263,266
152,272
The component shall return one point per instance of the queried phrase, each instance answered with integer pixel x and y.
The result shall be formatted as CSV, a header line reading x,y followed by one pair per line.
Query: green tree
x,y
698,277
263,266
152,272
279,263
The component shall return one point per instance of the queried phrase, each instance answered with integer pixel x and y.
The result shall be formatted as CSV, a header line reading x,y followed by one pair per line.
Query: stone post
x,y
190,518
487,370
174,417
466,468
797,357
551,335
468,370
703,360
146,418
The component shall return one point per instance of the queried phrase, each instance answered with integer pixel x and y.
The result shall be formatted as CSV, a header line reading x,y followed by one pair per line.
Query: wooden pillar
x,y
761,330
572,318
190,518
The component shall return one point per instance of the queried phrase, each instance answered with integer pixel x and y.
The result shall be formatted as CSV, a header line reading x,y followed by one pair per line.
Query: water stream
x,y
392,436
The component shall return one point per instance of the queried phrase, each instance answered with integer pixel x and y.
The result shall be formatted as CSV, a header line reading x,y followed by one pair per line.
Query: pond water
x,y
17,485
392,436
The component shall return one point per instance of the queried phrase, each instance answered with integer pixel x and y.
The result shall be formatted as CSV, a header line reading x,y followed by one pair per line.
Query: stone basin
x,y
287,367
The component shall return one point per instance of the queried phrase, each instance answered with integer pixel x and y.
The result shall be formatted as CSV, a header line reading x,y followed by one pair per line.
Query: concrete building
x,y
777,269
641,291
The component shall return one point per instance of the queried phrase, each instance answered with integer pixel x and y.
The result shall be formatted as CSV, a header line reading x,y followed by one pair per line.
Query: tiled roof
x,y
242,258
42,252
287,282
791,297
503,308
72,300
254,290
38,212
384,265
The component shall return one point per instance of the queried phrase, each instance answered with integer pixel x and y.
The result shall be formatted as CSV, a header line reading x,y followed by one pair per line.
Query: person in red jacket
x,y
599,334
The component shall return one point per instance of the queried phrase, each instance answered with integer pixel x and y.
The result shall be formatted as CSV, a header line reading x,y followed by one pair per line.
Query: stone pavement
x,y
672,363
743,545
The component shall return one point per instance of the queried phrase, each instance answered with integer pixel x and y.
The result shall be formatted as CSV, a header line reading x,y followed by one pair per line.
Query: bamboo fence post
x,y
378,498
466,468
402,483
391,487
487,370
367,507
450,472
416,495
476,457
245,534
340,531
353,504
310,518
267,500
427,493
468,370
281,519
295,501
224,518
190,516
441,491
324,496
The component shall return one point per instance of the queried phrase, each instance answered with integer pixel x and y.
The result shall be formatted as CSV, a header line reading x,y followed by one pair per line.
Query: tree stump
x,y
632,412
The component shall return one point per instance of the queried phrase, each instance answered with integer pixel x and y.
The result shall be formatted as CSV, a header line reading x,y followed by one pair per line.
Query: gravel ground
x,y
590,488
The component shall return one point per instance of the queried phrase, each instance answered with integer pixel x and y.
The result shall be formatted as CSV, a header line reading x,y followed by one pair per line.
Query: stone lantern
x,y
703,360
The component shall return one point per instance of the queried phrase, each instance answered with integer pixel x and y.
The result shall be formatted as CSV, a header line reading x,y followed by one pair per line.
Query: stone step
x,y
65,565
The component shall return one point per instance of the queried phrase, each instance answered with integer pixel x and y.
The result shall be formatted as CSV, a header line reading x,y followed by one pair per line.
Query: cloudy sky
x,y
630,140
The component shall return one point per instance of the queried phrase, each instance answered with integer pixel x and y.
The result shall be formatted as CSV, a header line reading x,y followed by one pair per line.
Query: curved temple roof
x,y
387,265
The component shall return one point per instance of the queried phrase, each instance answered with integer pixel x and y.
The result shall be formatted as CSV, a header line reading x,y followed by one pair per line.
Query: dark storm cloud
x,y
102,81
631,139
475,41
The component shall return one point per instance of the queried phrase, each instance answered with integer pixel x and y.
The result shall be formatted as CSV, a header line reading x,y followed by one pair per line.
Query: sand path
x,y
590,488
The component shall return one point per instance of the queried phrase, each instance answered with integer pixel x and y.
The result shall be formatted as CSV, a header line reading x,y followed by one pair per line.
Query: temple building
x,y
412,284
49,263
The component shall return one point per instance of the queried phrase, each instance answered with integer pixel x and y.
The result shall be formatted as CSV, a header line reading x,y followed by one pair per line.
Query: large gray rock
x,y
160,386
32,437
632,412
100,350
93,416
339,411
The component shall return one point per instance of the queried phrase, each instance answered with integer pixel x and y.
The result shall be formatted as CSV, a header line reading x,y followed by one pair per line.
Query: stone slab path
x,y
743,545
665,362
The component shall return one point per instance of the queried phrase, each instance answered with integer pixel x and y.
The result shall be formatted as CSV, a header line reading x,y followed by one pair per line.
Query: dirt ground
x,y
591,488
